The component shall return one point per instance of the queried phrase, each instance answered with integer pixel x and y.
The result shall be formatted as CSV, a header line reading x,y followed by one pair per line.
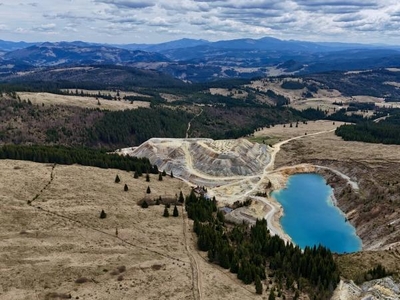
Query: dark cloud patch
x,y
336,7
250,13
355,3
348,18
130,4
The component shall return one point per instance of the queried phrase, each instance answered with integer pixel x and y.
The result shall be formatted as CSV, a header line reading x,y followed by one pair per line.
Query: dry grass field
x,y
58,246
84,102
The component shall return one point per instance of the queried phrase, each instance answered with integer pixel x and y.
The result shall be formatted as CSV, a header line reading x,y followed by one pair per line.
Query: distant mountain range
x,y
201,60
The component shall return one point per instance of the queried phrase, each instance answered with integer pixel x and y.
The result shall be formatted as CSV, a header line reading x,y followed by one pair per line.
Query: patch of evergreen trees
x,y
68,156
249,251
133,127
385,132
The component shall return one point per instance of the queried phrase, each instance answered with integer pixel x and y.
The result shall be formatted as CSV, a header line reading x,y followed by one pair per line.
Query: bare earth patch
x,y
58,246
85,102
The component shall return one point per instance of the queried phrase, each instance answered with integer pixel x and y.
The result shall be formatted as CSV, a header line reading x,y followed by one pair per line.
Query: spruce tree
x,y
259,288
125,187
164,173
136,175
145,204
160,177
181,198
172,174
103,215
166,212
148,191
147,177
271,295
117,180
176,212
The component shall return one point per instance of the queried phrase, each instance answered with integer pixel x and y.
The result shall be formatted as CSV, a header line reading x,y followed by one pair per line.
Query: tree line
x,y
250,251
385,131
83,156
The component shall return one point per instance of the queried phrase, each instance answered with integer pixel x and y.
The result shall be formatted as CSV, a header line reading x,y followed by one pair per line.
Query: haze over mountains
x,y
201,60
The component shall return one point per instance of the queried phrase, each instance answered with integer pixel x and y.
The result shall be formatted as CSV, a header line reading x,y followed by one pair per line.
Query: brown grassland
x,y
58,246
83,102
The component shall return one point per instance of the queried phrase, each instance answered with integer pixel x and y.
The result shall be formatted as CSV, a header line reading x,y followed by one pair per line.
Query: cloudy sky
x,y
154,21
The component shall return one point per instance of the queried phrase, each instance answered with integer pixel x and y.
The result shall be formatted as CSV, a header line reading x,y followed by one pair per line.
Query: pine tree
x,y
158,201
164,173
172,174
160,177
136,175
103,215
271,295
117,180
166,212
176,212
148,191
145,204
181,198
147,177
125,187
258,283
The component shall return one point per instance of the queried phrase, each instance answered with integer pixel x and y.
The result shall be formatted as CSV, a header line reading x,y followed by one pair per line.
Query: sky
x,y
156,21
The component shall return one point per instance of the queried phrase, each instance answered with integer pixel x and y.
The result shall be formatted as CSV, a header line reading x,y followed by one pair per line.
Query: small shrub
x,y
145,204
121,269
166,212
81,280
103,214
148,191
125,187
117,180
120,278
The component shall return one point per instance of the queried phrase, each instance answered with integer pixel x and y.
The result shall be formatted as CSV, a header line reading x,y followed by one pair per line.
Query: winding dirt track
x,y
194,265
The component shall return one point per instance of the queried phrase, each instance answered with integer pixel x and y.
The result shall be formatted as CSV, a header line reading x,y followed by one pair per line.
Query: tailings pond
x,y
310,218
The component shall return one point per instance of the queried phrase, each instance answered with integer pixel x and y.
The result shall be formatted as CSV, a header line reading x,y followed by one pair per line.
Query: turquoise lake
x,y
310,218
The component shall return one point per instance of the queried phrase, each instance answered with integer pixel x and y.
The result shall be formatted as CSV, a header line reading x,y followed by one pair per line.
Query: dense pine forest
x,y
385,131
69,156
254,255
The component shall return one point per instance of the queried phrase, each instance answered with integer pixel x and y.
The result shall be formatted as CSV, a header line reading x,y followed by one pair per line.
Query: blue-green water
x,y
310,218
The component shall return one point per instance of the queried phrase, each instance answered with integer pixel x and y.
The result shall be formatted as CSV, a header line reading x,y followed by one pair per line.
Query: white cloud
x,y
149,21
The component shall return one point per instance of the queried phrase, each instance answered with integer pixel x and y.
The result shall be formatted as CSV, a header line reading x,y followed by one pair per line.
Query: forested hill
x,y
385,132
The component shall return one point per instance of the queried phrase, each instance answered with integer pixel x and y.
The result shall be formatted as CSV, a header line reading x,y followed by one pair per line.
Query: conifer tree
x,y
271,295
148,191
160,177
125,187
176,212
136,175
258,283
117,180
164,173
172,174
147,177
145,204
103,215
181,198
166,212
